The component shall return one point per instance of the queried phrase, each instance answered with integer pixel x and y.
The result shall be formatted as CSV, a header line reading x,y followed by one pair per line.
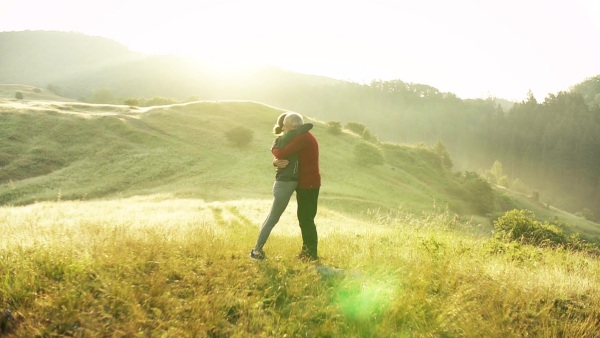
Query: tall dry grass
x,y
160,266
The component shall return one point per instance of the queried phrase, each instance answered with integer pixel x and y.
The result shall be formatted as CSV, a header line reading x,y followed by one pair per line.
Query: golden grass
x,y
161,266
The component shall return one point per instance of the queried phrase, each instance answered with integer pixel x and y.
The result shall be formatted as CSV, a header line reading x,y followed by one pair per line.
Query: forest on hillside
x,y
549,149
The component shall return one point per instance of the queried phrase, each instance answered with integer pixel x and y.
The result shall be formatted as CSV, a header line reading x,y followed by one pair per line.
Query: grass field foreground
x,y
169,267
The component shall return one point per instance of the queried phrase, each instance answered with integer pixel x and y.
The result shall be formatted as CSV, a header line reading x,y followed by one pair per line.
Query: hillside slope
x,y
8,93
62,150
71,151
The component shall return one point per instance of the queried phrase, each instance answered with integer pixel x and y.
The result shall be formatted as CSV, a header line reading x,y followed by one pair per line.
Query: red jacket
x,y
307,148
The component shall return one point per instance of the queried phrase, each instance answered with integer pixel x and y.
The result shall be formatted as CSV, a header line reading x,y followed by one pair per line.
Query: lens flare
x,y
365,299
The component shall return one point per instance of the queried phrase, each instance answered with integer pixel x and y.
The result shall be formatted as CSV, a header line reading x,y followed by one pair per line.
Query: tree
x,y
240,136
479,192
496,174
19,95
440,149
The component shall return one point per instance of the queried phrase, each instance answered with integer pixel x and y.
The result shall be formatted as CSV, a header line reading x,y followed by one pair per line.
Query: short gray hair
x,y
294,120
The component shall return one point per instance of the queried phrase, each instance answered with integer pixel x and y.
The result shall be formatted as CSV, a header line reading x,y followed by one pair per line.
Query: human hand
x,y
280,163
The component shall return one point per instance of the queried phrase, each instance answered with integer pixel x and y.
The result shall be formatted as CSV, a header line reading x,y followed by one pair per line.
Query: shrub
x,y
356,127
368,154
19,95
480,193
160,101
334,127
368,136
133,102
240,136
521,226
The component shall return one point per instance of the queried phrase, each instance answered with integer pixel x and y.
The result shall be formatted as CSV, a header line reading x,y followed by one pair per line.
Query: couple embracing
x,y
296,154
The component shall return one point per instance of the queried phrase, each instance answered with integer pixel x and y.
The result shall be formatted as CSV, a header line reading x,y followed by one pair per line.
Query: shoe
x,y
257,254
305,256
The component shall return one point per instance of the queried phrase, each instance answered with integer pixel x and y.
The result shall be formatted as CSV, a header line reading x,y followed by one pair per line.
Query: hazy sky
x,y
474,48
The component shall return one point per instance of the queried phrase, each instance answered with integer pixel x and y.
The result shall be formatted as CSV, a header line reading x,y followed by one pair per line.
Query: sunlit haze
x,y
471,48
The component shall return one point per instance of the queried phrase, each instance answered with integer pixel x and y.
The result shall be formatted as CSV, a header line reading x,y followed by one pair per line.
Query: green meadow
x,y
120,221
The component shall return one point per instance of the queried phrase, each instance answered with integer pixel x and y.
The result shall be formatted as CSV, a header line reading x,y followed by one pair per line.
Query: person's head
x,y
278,129
292,121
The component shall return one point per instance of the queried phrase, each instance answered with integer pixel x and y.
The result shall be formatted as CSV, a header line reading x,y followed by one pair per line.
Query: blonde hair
x,y
278,128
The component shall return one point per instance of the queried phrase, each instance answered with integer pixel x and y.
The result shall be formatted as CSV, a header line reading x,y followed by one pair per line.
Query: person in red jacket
x,y
309,181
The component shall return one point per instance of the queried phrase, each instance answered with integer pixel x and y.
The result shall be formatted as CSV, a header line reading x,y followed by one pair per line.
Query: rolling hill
x,y
131,221
71,150
399,112
137,221
78,150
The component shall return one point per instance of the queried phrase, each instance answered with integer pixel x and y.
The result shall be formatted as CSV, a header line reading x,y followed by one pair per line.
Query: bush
x,y
133,102
19,95
521,226
368,136
480,193
240,136
368,154
334,127
356,127
160,101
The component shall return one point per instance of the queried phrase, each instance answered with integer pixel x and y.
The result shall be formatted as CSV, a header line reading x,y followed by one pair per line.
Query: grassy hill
x,y
76,151
138,221
70,150
8,93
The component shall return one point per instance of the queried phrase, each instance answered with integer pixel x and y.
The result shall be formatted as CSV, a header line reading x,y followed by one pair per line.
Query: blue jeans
x,y
282,192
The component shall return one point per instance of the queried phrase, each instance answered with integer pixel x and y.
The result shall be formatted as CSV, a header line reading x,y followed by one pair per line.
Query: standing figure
x,y
286,182
305,145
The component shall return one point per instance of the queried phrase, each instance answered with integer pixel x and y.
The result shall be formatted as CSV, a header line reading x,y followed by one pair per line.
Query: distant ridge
x,y
42,57
8,92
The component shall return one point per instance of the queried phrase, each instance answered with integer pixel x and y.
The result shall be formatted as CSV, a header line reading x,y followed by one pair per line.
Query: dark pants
x,y
307,210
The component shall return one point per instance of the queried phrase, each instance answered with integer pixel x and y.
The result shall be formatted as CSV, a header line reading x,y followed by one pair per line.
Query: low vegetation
x,y
162,266
126,221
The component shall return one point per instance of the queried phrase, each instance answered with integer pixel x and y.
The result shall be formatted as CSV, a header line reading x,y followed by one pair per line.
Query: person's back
x,y
306,147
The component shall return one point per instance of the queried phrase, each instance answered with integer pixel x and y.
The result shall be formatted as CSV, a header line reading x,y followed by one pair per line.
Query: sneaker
x,y
305,256
257,254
